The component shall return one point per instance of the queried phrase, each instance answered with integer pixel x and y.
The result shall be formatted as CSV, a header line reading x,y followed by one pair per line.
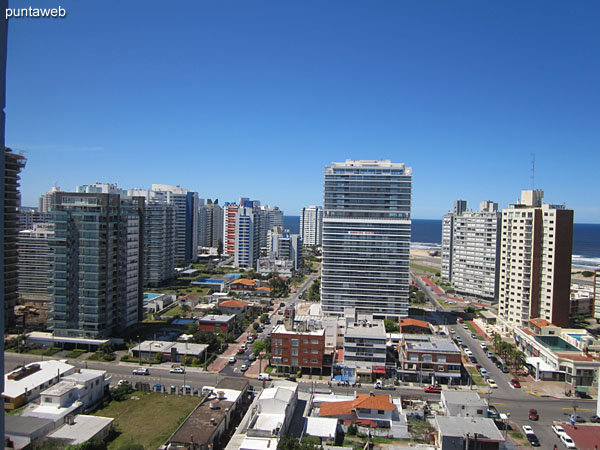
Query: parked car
x,y
244,367
252,357
465,327
232,360
241,350
141,371
578,418
566,439
264,376
177,370
483,346
473,335
492,383
473,359
533,414
493,359
527,429
483,372
291,378
558,430
282,304
595,419
505,369
489,354
434,389
250,340
533,439
478,367
515,383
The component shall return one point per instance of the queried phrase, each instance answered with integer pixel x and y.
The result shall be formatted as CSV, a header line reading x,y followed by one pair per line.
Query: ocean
x,y
428,233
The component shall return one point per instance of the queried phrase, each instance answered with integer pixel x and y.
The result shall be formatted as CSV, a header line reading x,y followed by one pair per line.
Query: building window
x,y
305,361
440,368
314,352
314,361
294,342
314,341
294,362
294,352
380,412
47,400
305,341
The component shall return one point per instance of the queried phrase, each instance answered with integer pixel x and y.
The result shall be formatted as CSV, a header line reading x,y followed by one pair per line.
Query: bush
x,y
125,358
352,430
120,393
159,357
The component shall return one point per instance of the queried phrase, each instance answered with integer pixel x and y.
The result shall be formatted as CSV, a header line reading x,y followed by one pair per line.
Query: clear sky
x,y
254,98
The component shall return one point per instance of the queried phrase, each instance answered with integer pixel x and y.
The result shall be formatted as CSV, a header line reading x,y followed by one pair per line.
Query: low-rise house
x,y
170,351
242,285
414,326
220,322
426,358
21,430
209,424
321,427
458,433
27,383
236,307
83,428
268,418
463,404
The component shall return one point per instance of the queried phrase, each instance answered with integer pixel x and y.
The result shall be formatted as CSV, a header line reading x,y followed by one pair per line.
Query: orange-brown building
x,y
298,350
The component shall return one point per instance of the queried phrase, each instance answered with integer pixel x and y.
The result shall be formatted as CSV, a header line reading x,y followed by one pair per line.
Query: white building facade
x,y
366,237
311,225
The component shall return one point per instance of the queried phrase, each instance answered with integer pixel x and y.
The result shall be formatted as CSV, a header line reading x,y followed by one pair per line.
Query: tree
x,y
121,392
259,347
279,287
291,443
519,360
391,326
314,292
255,326
264,318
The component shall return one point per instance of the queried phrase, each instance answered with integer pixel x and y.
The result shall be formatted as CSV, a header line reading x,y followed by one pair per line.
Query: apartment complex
x,y
229,215
159,243
366,237
210,224
311,225
365,343
470,248
13,164
597,294
185,205
298,349
281,244
247,236
535,261
34,265
426,358
97,264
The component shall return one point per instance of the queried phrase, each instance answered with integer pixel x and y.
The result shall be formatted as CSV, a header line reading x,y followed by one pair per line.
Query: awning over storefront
x,y
378,369
583,389
533,361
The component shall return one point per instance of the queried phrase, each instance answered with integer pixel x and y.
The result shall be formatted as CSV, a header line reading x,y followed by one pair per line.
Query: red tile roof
x,y
365,401
538,322
244,281
413,322
575,357
233,304
264,288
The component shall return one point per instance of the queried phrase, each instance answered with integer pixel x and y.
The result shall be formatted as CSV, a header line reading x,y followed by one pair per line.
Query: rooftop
x,y
201,424
423,342
83,429
365,401
374,329
461,426
280,329
462,398
48,371
233,304
238,384
217,318
413,322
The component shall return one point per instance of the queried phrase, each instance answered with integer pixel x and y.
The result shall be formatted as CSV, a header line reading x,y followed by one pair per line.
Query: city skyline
x,y
255,93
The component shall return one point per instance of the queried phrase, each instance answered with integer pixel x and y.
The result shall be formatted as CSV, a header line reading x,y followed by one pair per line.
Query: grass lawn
x,y
75,353
424,268
148,421
518,438
477,379
177,311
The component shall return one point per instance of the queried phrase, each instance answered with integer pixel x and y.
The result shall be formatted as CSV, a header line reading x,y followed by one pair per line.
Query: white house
x,y
463,404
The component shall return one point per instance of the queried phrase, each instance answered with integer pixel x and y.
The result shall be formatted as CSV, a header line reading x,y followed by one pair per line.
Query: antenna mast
x,y
533,171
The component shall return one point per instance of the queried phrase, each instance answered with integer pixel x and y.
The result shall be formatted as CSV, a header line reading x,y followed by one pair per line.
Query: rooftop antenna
x,y
533,171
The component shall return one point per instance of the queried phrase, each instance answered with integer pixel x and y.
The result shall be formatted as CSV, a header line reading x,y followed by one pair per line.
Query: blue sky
x,y
253,99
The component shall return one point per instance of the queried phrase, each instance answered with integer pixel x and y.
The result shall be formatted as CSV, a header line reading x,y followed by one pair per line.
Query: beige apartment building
x,y
535,262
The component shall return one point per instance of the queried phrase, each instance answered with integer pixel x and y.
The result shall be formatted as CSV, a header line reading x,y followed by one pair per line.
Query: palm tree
x,y
520,359
497,341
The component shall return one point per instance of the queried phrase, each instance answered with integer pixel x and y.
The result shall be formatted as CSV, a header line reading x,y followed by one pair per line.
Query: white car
x,y
244,368
465,327
177,370
527,429
232,360
122,382
566,439
141,371
468,352
558,430
483,346
492,383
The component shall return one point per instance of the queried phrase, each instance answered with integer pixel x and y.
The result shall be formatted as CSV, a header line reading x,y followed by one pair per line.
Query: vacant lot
x,y
148,421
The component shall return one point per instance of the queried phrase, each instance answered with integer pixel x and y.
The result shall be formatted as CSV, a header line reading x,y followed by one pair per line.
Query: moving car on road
x,y
434,389
177,370
533,414
492,383
515,383
566,439
244,368
141,371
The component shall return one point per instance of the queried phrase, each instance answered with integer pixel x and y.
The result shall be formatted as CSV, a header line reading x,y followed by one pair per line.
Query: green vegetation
x,y
420,430
477,379
148,421
290,443
421,268
314,291
518,437
391,326
509,352
279,287
44,351
75,353
176,311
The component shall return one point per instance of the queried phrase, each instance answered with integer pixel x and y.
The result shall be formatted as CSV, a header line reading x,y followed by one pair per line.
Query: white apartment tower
x,y
470,247
311,225
366,237
210,225
535,261
247,236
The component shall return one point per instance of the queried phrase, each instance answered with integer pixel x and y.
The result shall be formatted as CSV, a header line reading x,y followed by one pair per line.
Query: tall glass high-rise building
x,y
366,237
